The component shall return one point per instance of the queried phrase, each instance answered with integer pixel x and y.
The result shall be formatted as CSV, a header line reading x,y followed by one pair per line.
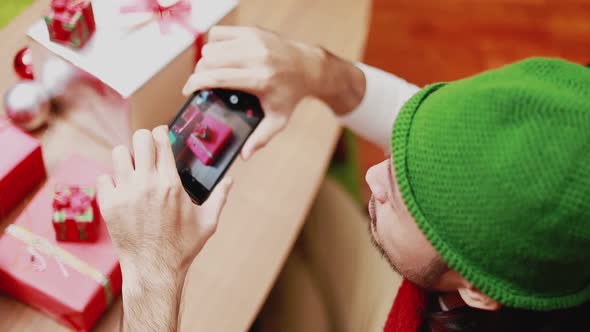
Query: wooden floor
x,y
425,41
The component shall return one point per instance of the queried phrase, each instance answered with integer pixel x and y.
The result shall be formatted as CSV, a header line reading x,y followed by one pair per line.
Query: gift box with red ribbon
x,y
209,138
75,213
70,22
130,76
21,166
73,282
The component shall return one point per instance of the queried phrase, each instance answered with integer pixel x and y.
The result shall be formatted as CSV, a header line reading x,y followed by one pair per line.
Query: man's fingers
x,y
229,54
267,129
225,78
224,32
164,156
122,163
144,151
104,188
211,210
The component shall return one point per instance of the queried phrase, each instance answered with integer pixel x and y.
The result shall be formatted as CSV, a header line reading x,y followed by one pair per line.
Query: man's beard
x,y
373,231
426,278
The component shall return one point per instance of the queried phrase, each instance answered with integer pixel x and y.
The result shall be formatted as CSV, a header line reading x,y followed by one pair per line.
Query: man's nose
x,y
376,184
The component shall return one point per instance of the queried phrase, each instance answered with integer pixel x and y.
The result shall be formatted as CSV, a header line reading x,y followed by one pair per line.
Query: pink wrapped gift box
x,y
209,138
72,282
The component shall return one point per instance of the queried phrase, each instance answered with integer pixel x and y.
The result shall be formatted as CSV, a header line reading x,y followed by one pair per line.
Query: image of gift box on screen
x,y
75,214
208,138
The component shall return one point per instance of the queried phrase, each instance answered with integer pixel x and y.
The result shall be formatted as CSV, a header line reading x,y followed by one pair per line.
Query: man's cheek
x,y
385,228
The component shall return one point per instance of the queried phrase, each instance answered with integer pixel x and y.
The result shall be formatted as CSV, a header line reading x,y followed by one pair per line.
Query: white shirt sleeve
x,y
385,94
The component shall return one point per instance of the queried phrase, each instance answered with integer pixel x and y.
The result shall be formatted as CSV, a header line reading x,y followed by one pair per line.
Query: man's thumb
x,y
267,129
214,205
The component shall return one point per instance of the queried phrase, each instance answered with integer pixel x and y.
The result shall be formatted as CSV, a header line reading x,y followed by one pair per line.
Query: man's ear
x,y
476,299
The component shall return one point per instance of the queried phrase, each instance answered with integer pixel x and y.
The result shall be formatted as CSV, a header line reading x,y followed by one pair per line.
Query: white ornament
x,y
27,105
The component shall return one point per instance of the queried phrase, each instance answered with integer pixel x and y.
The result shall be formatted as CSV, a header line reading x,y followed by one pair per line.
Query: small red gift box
x,y
21,166
72,282
70,22
208,138
75,213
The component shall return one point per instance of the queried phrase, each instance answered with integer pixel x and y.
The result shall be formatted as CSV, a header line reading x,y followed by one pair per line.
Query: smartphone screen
x,y
207,135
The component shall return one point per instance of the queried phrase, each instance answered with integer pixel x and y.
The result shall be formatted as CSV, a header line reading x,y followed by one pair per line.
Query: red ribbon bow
x,y
203,132
178,13
75,201
71,6
80,202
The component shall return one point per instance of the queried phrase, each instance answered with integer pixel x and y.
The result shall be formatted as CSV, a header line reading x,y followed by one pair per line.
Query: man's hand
x,y
155,228
279,71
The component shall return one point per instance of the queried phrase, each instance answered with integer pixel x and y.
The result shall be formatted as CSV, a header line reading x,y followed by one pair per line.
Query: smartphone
x,y
207,135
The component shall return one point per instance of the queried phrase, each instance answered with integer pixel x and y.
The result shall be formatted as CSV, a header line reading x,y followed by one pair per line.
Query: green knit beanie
x,y
495,169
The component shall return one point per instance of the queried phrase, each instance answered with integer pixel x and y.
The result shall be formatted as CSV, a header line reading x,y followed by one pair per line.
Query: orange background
x,y
424,41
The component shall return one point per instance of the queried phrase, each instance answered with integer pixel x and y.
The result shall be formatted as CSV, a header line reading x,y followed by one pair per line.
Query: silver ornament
x,y
57,76
27,105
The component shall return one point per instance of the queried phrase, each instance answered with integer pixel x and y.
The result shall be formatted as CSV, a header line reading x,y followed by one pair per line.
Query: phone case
x,y
209,138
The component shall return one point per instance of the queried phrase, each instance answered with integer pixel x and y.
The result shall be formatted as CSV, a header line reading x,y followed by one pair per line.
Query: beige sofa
x,y
334,279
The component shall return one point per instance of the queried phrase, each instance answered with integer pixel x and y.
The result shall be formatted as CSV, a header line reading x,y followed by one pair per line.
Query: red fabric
x,y
47,282
407,311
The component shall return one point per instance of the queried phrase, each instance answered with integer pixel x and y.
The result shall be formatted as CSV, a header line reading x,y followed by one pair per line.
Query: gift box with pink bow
x,y
70,22
131,73
75,213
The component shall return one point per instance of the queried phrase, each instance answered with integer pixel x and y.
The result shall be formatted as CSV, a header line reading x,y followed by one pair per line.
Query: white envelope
x,y
125,54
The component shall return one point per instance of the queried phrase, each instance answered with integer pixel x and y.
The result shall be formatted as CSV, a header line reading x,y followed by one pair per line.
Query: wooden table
x,y
230,280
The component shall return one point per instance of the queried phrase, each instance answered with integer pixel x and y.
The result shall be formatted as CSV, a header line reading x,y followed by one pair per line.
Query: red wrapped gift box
x,y
70,22
208,138
73,282
75,213
21,166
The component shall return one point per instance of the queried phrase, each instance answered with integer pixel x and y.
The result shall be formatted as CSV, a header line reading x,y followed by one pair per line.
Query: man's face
x,y
396,235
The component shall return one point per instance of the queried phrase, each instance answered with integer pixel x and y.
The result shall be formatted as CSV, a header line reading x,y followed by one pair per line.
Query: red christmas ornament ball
x,y
23,64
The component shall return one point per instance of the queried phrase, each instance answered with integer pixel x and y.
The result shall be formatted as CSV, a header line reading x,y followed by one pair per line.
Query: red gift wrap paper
x,y
73,282
21,166
70,22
